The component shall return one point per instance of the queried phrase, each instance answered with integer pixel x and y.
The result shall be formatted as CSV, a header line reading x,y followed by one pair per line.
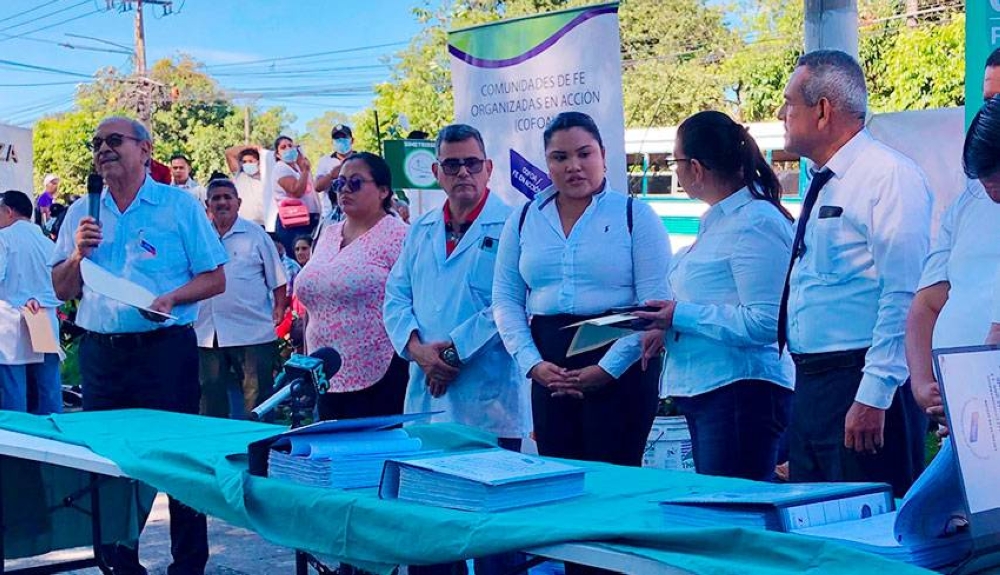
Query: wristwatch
x,y
449,355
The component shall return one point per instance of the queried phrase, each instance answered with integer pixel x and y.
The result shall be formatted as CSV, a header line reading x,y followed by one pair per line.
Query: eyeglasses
x,y
351,185
672,162
452,166
112,140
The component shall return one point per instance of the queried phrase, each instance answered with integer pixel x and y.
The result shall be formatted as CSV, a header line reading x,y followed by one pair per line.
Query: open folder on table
x,y
119,289
951,515
596,332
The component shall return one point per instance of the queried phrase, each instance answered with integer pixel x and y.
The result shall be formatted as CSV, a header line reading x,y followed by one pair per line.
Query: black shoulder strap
x,y
629,215
524,216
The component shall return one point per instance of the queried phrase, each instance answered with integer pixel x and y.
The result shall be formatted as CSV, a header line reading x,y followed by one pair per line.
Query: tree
x,y
192,115
772,33
923,67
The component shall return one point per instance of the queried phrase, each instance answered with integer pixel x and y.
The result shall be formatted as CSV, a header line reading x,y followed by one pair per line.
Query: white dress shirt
x,y
966,254
241,315
24,275
541,271
728,287
864,248
490,392
251,192
161,241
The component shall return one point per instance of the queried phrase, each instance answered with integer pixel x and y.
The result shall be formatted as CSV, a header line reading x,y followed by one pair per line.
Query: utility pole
x,y
912,8
140,41
246,124
144,87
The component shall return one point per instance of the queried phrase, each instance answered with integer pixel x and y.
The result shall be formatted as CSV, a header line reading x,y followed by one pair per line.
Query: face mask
x,y
290,155
342,145
251,169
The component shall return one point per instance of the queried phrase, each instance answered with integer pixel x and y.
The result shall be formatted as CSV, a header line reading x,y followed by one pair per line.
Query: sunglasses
x,y
351,185
452,166
113,141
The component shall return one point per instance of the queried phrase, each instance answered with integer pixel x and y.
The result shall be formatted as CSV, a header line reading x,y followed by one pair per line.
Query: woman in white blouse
x,y
722,363
292,189
575,252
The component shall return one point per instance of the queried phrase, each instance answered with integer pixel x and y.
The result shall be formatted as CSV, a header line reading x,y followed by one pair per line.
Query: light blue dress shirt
x,y
728,287
541,271
161,241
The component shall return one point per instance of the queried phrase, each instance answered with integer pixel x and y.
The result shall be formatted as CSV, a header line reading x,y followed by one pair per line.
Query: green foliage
x,y
192,115
923,68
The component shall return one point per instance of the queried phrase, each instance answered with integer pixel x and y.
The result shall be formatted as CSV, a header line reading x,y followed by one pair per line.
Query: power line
x,y
36,19
66,21
38,84
34,68
312,55
29,10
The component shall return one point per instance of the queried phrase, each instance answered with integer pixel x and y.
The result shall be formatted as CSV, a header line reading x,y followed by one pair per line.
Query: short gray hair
x,y
138,129
836,76
458,133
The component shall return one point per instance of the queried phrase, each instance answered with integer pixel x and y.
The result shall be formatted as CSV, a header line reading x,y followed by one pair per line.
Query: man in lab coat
x,y
438,309
438,297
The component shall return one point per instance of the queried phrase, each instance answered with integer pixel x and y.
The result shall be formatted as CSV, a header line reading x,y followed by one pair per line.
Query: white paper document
x,y
119,289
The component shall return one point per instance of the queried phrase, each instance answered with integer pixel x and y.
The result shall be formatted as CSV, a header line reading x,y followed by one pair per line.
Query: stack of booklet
x,y
487,480
342,454
339,460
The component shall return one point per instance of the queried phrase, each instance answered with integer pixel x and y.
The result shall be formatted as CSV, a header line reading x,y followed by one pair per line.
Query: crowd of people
x,y
804,337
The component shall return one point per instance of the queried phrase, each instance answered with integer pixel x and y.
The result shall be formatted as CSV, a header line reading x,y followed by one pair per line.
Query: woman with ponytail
x,y
722,366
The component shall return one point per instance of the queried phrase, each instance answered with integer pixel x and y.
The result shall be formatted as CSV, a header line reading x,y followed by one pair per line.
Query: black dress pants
x,y
825,387
158,370
610,424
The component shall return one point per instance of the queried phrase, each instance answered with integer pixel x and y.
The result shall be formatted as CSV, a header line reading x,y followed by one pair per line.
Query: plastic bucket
x,y
669,445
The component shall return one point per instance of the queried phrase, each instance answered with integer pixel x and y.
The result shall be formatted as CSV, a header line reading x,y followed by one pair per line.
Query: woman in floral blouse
x,y
343,288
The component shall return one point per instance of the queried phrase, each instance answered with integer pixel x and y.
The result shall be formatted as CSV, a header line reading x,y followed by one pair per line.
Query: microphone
x,y
95,185
307,377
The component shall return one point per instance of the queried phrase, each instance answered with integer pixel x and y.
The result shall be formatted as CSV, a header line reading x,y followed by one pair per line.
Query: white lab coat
x,y
449,298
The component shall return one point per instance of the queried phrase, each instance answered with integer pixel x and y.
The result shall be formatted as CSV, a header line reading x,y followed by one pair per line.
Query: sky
x,y
256,49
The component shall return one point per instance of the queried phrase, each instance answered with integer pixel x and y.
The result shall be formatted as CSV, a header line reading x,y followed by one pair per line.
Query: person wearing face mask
x,y
292,190
245,165
328,169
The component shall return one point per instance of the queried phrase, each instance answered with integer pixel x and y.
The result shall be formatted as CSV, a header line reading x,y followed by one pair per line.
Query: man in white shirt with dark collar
x,y
856,261
235,329
25,288
958,280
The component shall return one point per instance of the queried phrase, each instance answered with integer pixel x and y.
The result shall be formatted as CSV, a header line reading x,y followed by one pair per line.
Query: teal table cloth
x,y
202,461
